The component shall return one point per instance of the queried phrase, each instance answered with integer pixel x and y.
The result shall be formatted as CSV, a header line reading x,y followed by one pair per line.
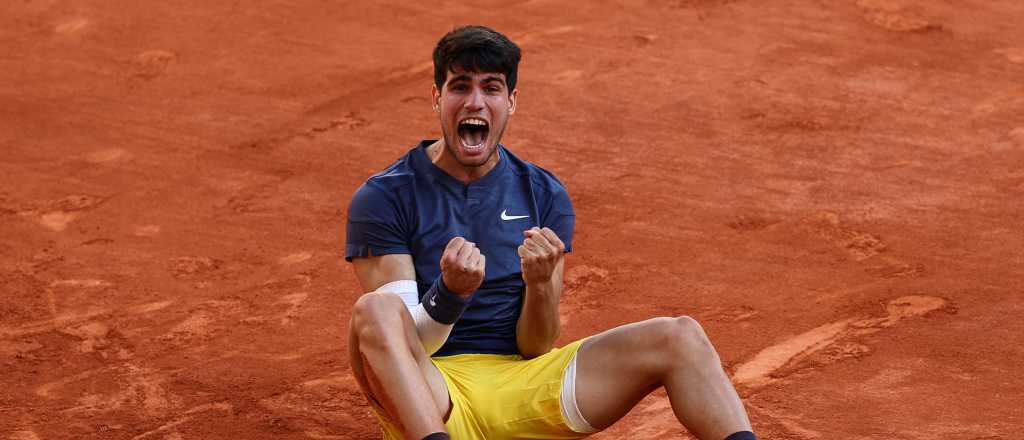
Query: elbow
x,y
532,352
537,347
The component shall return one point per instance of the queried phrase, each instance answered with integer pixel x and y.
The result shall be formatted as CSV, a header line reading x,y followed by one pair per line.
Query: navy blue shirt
x,y
413,207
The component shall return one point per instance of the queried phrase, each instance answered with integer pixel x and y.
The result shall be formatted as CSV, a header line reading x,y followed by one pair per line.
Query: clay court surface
x,y
833,189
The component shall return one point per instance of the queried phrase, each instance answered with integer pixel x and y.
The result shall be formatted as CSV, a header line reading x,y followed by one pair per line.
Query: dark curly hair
x,y
476,49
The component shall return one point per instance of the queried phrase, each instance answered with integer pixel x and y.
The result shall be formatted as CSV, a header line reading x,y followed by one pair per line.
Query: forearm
x,y
539,326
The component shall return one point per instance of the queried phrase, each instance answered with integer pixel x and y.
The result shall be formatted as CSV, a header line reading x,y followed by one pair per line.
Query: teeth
x,y
474,121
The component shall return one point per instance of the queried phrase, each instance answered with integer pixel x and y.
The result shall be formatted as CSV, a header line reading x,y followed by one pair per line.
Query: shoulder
x,y
399,174
539,177
386,186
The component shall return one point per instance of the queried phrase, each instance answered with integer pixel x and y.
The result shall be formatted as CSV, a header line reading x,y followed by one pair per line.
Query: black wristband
x,y
442,304
437,436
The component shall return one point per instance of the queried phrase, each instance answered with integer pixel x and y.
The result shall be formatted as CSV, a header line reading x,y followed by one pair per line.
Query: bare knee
x,y
377,327
683,342
374,314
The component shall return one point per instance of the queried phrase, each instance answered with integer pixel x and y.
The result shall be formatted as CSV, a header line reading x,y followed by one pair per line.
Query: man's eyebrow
x,y
494,78
487,79
461,77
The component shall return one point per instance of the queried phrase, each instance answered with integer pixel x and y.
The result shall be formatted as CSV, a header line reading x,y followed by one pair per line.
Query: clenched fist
x,y
539,254
462,267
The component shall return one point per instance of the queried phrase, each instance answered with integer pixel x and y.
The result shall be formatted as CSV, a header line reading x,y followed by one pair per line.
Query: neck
x,y
443,159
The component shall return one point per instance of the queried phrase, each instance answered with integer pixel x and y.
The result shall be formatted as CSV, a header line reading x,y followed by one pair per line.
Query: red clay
x,y
832,188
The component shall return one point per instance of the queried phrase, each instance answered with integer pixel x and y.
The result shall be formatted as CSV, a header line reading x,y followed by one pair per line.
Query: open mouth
x,y
473,132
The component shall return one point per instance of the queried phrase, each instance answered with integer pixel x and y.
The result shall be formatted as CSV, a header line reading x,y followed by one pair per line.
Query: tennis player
x,y
461,246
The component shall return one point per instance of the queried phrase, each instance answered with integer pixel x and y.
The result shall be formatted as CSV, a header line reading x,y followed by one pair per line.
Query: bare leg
x,y
617,368
391,366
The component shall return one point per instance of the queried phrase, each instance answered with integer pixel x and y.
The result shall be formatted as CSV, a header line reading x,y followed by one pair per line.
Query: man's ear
x,y
512,98
435,98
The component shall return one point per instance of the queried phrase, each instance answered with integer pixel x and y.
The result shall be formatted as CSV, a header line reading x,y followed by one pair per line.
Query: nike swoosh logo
x,y
432,303
505,216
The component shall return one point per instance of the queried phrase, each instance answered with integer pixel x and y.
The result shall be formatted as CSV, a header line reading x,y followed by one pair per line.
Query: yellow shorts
x,y
502,396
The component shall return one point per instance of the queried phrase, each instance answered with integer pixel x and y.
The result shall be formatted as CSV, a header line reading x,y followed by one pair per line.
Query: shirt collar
x,y
423,163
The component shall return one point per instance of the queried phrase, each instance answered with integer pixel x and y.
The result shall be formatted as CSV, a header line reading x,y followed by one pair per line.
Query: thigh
x,y
515,398
618,368
374,389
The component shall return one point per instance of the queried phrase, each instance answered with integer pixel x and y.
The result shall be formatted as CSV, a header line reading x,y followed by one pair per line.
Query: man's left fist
x,y
539,254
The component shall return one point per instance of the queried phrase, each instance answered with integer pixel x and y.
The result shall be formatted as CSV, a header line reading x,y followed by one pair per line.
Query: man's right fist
x,y
462,267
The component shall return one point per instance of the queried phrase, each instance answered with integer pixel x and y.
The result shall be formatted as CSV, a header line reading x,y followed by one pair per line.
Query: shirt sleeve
x,y
375,225
561,217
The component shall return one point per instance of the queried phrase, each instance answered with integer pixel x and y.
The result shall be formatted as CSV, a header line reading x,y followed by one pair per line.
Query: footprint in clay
x,y
780,360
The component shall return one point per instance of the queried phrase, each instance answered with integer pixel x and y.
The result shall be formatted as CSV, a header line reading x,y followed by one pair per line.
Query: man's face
x,y
474,109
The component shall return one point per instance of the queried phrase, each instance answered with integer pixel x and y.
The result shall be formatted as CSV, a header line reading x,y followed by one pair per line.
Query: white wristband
x,y
432,334
406,289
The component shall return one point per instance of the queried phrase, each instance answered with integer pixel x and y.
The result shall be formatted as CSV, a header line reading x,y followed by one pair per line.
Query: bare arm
x,y
377,271
462,268
542,256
